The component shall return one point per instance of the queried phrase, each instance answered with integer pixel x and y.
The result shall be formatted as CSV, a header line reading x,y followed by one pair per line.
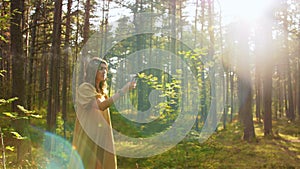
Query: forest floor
x,y
225,149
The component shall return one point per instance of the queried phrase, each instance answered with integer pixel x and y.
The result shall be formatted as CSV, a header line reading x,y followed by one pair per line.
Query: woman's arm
x,y
104,104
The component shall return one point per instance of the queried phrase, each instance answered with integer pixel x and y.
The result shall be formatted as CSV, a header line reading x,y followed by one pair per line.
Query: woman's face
x,y
101,72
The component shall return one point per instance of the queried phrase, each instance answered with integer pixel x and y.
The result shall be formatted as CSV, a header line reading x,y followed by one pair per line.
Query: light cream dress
x,y
92,137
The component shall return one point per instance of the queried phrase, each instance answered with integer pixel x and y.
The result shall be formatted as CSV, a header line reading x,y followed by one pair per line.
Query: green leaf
x,y
141,75
36,116
3,101
3,39
154,79
18,136
24,117
2,71
10,148
10,114
12,99
25,110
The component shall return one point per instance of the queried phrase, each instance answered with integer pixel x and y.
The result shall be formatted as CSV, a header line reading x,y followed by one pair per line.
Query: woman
x,y
92,136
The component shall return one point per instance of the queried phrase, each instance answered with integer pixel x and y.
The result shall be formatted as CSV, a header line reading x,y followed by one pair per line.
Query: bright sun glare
x,y
244,9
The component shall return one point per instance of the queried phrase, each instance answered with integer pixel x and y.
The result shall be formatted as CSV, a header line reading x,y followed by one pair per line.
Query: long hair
x,y
90,76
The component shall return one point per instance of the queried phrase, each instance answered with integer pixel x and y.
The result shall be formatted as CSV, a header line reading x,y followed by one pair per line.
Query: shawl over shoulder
x,y
92,137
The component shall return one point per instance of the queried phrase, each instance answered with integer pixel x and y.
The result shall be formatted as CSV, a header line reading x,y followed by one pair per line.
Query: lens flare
x,y
168,62
57,153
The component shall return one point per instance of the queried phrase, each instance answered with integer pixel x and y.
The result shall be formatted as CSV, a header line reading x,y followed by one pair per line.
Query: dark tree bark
x,y
138,46
267,94
265,57
203,90
53,98
244,83
103,27
86,34
211,53
18,76
245,94
32,53
280,93
86,27
18,85
5,60
44,63
202,20
42,73
196,23
173,26
291,110
195,44
66,67
258,92
231,95
77,49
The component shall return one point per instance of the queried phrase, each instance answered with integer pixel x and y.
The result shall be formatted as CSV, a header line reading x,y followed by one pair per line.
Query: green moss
x,y
226,149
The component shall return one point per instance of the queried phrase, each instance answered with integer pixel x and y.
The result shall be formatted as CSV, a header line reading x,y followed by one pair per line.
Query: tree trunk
x,y
258,90
173,26
265,55
4,51
76,81
66,67
32,52
202,19
53,98
43,75
18,86
196,24
244,82
203,81
245,111
104,28
211,53
280,93
18,76
86,27
139,43
290,112
267,94
231,94
86,30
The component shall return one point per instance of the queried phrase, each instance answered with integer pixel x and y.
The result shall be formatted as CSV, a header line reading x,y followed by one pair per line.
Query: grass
x,y
225,149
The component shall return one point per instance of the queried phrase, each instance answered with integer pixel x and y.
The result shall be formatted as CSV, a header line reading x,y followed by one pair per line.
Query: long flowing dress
x,y
92,137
